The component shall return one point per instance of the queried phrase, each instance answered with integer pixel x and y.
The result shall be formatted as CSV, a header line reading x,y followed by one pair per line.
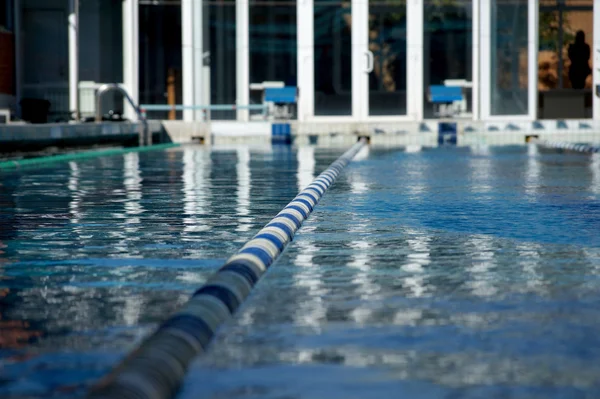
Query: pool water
x,y
423,273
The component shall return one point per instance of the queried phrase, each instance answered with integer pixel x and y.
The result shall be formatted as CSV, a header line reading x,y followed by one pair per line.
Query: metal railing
x,y
214,107
145,137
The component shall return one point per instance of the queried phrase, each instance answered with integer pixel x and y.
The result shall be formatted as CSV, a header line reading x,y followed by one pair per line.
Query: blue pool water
x,y
449,272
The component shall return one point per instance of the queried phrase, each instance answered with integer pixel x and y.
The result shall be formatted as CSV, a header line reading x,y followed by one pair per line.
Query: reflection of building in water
x,y
243,189
197,166
416,174
306,166
359,229
481,174
482,266
311,310
532,172
595,171
133,192
13,333
416,261
530,261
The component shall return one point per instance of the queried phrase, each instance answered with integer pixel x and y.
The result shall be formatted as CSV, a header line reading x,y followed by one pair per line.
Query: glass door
x,y
508,59
448,55
332,58
386,58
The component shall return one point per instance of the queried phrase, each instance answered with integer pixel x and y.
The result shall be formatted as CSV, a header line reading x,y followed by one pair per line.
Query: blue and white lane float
x,y
157,367
586,148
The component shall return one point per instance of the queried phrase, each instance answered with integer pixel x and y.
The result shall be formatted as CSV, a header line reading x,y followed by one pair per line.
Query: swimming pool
x,y
462,272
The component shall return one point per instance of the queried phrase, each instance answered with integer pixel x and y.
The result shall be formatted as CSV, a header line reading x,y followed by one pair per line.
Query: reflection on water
x,y
431,273
308,277
532,173
595,171
416,262
196,183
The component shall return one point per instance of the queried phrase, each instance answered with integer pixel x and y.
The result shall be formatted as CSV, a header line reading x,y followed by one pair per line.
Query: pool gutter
x,y
76,156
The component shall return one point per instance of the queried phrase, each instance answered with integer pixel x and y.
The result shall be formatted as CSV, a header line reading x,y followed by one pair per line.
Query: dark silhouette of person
x,y
579,54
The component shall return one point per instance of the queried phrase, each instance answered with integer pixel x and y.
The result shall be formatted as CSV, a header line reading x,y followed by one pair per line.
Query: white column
x,y
361,59
475,68
73,22
414,67
305,40
242,44
532,59
596,60
131,54
198,59
187,54
485,58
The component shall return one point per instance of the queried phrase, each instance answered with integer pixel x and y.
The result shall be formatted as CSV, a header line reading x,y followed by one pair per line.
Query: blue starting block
x,y
280,99
445,98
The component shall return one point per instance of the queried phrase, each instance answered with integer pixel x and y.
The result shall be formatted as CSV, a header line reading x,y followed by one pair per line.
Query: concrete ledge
x,y
320,134
30,136
185,132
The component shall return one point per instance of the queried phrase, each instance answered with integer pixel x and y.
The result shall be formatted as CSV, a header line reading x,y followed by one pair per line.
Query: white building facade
x,y
352,61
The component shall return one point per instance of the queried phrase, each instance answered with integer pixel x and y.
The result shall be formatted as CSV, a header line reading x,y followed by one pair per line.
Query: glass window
x,y
509,59
448,51
387,43
332,58
220,40
558,29
273,46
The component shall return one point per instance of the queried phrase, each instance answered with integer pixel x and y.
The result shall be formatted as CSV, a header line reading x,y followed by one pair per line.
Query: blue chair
x,y
447,99
280,100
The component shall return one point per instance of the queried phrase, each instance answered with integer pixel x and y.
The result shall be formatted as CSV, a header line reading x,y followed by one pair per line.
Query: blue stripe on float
x,y
299,209
320,184
326,182
223,294
292,218
259,253
192,325
274,239
283,227
242,268
305,202
317,188
310,195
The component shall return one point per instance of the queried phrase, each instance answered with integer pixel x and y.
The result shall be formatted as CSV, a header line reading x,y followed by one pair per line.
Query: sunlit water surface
x,y
459,272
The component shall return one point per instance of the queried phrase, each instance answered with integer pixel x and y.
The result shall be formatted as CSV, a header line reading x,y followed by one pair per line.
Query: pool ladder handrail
x,y
145,138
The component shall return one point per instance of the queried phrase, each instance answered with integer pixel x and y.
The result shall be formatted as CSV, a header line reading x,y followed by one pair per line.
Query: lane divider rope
x,y
590,149
157,367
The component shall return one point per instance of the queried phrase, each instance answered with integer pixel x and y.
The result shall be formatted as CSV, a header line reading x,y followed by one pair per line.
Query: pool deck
x,y
321,134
